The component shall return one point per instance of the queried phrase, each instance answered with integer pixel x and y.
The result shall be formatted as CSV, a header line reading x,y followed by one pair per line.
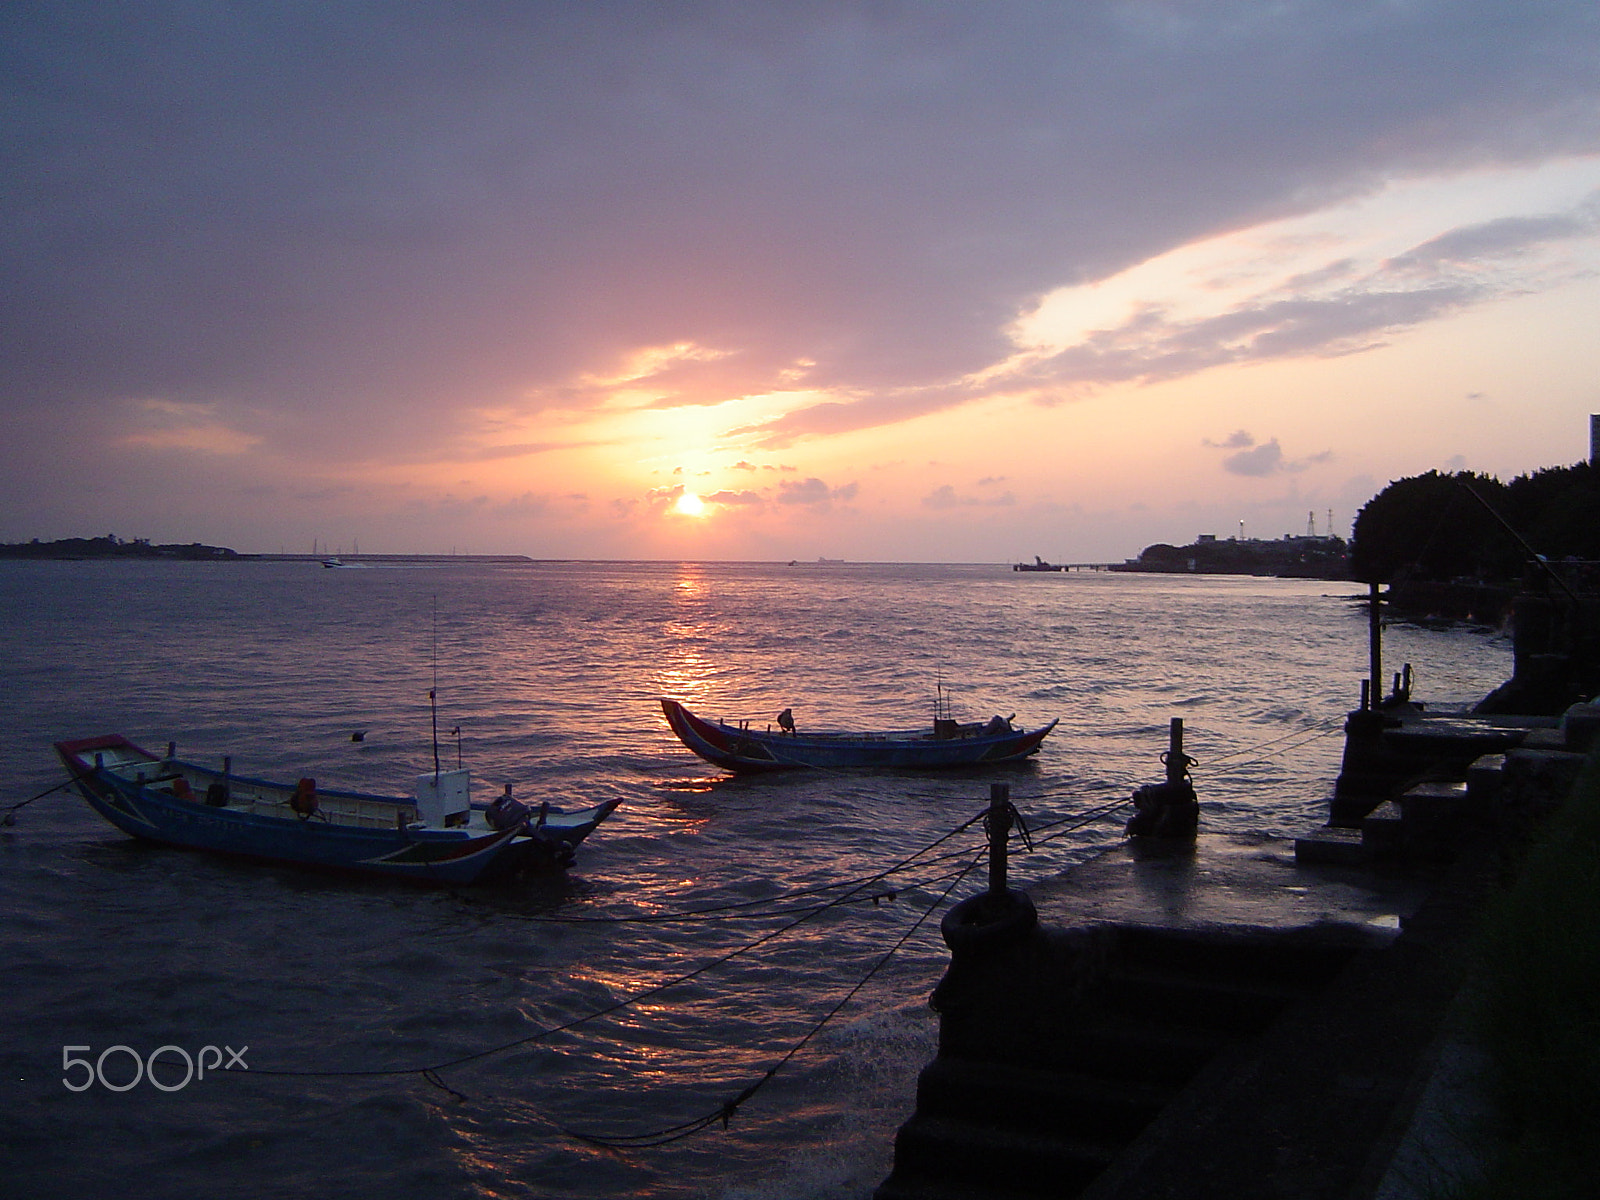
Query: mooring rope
x,y
1321,729
725,1112
1077,821
738,909
430,1071
10,817
1306,737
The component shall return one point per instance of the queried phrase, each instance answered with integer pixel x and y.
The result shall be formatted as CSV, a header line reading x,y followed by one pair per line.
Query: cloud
x,y
1155,347
1238,439
528,504
658,500
1504,237
165,425
846,416
814,494
1258,461
1331,311
1261,460
945,496
472,206
409,234
733,499
510,450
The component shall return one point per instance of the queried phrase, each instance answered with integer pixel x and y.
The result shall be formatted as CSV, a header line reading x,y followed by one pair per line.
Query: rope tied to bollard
x,y
998,821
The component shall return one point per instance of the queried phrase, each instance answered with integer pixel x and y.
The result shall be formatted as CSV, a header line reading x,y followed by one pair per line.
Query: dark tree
x,y
1434,526
1558,511
1161,552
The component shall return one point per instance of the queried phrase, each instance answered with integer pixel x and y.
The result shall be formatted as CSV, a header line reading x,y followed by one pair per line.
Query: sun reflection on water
x,y
688,672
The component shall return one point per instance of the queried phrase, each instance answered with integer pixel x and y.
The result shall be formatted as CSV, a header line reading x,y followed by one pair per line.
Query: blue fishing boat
x,y
436,836
946,743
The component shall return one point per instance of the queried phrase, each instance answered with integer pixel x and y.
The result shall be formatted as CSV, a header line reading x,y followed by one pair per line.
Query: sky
x,y
919,282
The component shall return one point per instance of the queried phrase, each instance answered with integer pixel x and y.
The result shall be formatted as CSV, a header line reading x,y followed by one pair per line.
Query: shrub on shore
x,y
1540,1016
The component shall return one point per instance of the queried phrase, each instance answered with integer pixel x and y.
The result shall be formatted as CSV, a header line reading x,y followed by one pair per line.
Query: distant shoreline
x,y
356,559
141,549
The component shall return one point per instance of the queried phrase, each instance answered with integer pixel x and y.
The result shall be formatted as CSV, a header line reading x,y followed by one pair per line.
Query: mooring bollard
x,y
999,915
1170,809
1177,762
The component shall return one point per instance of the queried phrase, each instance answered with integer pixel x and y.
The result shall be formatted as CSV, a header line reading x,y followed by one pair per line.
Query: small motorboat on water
x,y
437,836
946,743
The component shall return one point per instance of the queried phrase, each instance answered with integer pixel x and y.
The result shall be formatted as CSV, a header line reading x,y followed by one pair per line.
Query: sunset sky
x,y
960,282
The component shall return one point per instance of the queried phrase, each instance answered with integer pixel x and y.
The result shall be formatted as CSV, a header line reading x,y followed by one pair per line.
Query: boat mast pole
x,y
433,692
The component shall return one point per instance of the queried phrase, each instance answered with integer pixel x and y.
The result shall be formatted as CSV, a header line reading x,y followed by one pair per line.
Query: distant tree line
x,y
110,546
1303,557
1466,526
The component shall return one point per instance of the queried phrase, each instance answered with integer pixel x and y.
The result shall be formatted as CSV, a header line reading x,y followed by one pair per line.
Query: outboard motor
x,y
506,812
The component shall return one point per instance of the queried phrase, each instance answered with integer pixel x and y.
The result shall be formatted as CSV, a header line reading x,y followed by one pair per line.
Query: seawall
x,y
1228,1016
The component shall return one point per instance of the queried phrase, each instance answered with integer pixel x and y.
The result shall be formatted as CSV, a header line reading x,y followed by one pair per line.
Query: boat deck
x,y
262,799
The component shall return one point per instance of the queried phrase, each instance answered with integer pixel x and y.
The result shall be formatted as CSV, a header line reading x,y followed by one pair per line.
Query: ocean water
x,y
690,954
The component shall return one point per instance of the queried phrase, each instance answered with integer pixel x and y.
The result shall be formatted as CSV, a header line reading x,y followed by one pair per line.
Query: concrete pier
x,y
1081,1056
1228,1016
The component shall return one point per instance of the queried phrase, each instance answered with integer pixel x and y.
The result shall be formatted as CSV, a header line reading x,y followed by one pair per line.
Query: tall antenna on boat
x,y
941,704
433,692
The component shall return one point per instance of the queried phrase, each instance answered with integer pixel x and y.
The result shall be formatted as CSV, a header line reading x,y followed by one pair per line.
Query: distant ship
x,y
1038,564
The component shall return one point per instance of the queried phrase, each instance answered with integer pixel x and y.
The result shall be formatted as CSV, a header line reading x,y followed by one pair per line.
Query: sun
x,y
689,505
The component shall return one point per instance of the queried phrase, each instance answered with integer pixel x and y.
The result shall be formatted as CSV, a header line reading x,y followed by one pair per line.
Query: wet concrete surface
x,y
1318,1107
1226,880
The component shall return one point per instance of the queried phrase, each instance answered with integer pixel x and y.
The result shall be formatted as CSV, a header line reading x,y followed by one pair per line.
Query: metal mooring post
x,y
998,823
1177,763
1375,644
981,931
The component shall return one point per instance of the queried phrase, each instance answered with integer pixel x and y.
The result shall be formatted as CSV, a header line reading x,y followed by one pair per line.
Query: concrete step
x,y
1436,815
1236,956
1332,845
920,1188
1045,1115
1485,778
1109,1045
1434,799
993,1160
1536,781
1383,831
1094,1107
1458,738
1546,739
1235,1008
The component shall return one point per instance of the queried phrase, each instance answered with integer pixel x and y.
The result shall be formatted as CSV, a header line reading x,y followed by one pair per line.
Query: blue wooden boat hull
x,y
742,749
403,849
